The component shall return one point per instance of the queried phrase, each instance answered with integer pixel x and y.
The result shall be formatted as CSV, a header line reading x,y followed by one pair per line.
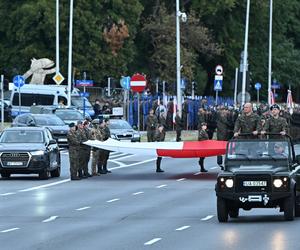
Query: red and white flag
x,y
272,97
289,101
174,108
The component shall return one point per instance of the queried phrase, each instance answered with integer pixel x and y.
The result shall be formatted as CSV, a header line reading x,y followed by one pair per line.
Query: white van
x,y
46,95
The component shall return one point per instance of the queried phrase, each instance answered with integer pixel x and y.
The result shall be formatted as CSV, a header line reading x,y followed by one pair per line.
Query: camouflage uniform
x,y
247,124
95,135
275,125
74,145
223,126
202,136
159,136
178,127
151,124
103,154
85,151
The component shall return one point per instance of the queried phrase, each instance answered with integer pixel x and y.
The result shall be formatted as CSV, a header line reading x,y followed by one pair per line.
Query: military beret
x,y
275,106
72,124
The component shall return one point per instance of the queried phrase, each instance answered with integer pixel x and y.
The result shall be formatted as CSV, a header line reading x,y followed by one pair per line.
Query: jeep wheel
x,y
44,175
234,212
56,172
5,175
289,207
222,210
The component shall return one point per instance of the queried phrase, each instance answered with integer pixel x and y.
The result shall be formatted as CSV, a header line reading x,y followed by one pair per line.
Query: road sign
x,y
84,94
138,83
125,82
84,83
275,85
219,70
18,81
182,83
58,78
257,86
218,83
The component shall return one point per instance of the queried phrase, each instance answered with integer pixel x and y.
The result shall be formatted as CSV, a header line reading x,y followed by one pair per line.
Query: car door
x,y
53,150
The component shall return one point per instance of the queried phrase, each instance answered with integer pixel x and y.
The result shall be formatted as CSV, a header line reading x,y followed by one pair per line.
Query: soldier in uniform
x,y
96,135
74,145
202,136
159,136
104,154
151,124
247,122
178,125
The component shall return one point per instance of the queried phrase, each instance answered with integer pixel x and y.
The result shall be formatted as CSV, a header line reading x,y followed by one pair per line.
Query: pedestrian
x,y
162,119
104,154
97,108
151,124
160,135
178,125
74,145
202,136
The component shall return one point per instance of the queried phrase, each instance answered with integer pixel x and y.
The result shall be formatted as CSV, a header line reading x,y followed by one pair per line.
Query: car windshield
x,y
49,120
77,101
22,136
69,115
261,150
119,124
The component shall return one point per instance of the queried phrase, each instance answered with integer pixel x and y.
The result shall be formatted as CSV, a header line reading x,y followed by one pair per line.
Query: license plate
x,y
254,183
63,139
14,163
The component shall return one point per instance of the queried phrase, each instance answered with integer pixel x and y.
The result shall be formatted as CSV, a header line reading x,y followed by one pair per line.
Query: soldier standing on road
x,y
74,145
160,135
178,125
104,154
85,149
202,136
247,122
151,124
96,135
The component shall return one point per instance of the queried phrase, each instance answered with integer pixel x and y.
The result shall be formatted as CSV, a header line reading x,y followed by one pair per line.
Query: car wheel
x,y
297,206
289,207
5,175
44,175
56,172
234,212
222,210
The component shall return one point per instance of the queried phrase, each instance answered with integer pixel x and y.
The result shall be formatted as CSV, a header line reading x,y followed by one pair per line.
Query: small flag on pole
x,y
272,97
174,108
289,101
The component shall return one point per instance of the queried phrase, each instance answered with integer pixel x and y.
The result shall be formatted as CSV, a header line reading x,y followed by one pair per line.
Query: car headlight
x,y
229,183
38,152
278,183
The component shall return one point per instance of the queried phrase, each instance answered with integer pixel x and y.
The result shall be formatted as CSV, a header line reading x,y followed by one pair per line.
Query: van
x,y
47,95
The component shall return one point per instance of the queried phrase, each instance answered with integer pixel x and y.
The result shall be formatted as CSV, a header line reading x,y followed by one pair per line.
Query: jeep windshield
x,y
264,151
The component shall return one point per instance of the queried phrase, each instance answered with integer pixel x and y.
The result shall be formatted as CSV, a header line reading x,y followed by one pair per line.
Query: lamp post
x,y
57,36
270,52
70,53
245,54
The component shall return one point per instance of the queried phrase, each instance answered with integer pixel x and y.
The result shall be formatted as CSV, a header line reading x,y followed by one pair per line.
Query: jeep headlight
x,y
278,183
38,152
229,183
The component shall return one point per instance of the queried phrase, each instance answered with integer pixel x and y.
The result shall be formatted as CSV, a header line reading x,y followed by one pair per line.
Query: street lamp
x,y
183,18
270,52
57,36
70,53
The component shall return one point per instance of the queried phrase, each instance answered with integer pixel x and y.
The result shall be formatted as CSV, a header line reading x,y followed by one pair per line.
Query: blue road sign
x,y
218,85
85,94
257,86
18,81
84,83
125,82
182,83
275,85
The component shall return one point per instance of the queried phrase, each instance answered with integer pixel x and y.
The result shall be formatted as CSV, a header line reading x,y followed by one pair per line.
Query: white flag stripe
x,y
138,83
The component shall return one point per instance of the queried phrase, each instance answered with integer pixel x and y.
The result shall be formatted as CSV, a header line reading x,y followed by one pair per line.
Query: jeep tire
x,y
289,207
222,210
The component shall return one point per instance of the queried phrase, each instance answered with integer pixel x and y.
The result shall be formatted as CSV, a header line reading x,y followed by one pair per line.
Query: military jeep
x,y
259,173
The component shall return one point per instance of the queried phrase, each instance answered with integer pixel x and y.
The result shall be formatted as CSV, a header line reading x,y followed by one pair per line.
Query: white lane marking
x,y
150,242
197,173
117,156
52,218
113,200
43,186
114,153
134,164
161,186
121,164
137,193
182,228
182,179
10,230
208,217
6,194
122,158
82,208
214,167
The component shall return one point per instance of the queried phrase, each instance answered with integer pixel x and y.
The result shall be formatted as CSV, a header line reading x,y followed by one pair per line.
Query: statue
x,y
39,68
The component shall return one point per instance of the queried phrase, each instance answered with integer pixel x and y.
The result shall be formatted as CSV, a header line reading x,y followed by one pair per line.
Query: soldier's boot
x,y
80,174
101,170
105,169
158,169
75,178
202,169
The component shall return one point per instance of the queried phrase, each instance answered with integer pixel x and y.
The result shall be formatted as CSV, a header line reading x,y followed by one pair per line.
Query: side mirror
x,y
52,141
298,159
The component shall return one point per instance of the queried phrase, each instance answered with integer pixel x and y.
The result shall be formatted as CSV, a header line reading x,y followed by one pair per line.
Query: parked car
x,y
121,130
57,127
70,115
29,150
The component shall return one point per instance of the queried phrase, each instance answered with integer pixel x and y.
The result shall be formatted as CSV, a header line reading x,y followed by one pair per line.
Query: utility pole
x,y
70,53
270,52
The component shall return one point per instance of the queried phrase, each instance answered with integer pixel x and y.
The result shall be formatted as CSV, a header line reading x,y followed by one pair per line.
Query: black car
x,y
70,115
121,130
29,150
259,173
57,127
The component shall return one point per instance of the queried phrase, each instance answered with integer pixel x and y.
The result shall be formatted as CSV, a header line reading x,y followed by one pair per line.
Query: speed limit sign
x,y
219,70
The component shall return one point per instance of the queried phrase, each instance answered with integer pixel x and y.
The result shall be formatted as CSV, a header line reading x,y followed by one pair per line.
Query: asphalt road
x,y
133,208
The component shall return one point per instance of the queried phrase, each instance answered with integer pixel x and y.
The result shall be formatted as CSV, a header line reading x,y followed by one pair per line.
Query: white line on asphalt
x,y
208,217
52,218
161,186
117,156
6,194
114,153
213,167
182,228
137,193
43,186
122,158
197,173
150,242
82,208
121,164
113,200
182,179
10,230
134,164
